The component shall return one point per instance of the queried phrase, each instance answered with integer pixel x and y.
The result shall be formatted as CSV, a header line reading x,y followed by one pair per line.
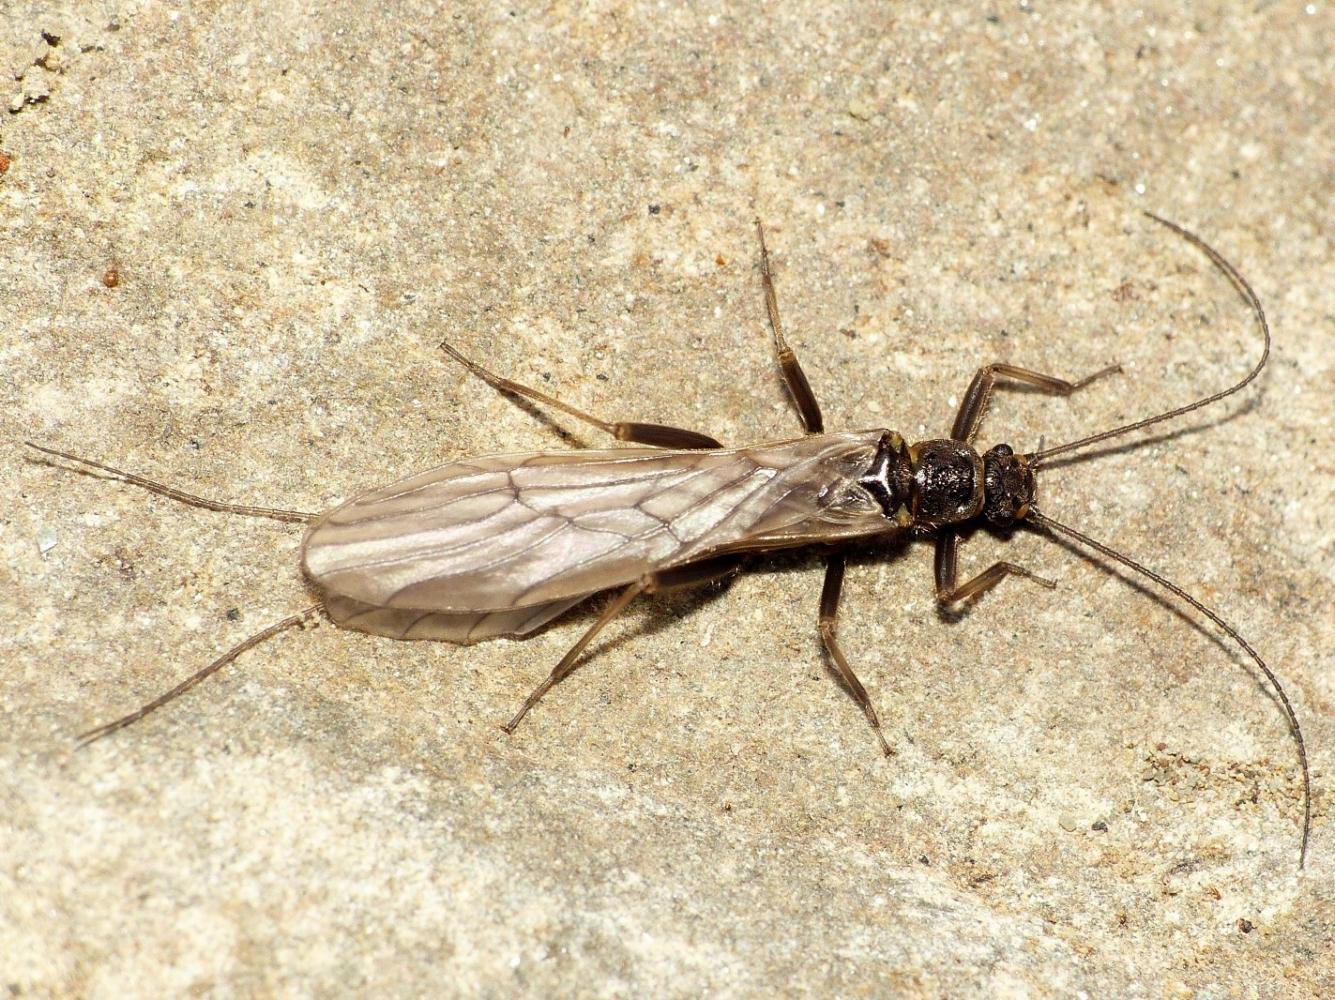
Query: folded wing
x,y
522,531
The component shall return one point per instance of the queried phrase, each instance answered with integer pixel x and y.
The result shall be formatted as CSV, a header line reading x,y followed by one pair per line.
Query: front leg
x,y
947,563
979,394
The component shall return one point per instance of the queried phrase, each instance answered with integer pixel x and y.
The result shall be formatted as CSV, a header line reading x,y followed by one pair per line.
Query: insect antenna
x,y
1245,290
277,513
263,635
1056,527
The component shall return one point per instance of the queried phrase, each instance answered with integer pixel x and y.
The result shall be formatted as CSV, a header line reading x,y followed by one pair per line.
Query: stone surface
x,y
1090,794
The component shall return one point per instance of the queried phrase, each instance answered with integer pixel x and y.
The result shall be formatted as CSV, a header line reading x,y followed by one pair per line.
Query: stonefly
x,y
501,545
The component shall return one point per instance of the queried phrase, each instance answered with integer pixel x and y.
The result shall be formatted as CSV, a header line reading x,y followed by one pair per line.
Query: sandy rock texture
x,y
233,236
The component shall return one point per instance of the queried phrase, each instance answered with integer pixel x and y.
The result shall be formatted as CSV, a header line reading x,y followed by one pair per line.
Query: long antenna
x,y
1244,289
1056,526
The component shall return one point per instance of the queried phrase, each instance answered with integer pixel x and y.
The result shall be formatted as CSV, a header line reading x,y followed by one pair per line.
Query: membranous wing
x,y
501,544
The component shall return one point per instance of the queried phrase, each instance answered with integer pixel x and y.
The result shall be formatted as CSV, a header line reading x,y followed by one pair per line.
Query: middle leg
x,y
793,376
829,614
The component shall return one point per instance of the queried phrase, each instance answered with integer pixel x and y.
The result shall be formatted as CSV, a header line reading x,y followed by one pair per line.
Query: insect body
x,y
501,545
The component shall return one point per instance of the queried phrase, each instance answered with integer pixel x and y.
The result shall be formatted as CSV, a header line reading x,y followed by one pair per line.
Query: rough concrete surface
x,y
233,236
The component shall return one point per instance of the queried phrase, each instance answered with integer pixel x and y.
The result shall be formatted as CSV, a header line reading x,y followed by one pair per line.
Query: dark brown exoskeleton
x,y
500,545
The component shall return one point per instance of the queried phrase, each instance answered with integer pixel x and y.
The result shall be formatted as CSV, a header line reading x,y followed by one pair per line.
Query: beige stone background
x,y
1090,796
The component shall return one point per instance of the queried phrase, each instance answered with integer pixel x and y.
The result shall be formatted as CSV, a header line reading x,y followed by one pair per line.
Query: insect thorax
x,y
943,481
928,483
946,480
889,479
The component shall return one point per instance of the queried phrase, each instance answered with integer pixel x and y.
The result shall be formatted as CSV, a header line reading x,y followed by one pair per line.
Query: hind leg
x,y
655,435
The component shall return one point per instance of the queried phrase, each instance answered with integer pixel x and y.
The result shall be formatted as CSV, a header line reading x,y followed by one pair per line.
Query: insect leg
x,y
793,376
979,394
829,613
946,565
655,435
673,579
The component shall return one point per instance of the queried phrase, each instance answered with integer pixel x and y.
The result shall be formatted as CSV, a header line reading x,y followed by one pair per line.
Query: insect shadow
x,y
502,545
1173,608
1183,432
